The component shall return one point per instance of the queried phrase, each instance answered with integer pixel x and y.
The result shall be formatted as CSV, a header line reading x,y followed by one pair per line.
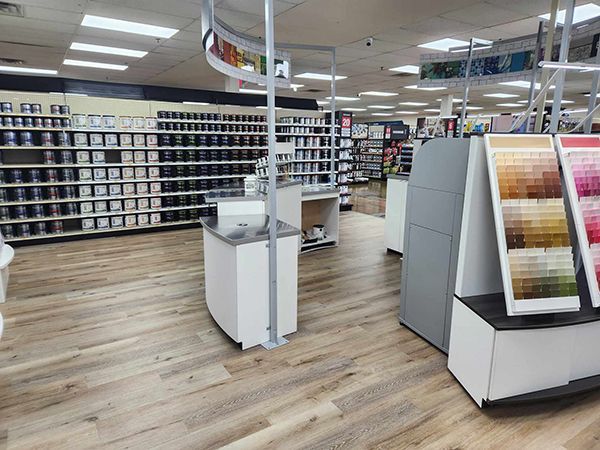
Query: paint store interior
x,y
299,224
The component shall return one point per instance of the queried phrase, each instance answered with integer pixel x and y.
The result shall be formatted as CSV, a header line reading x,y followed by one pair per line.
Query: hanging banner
x,y
504,61
241,57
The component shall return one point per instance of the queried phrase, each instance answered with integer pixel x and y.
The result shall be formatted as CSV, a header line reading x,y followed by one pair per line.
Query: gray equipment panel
x,y
432,235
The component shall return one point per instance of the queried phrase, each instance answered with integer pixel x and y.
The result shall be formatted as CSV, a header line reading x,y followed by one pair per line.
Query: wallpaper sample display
x,y
531,221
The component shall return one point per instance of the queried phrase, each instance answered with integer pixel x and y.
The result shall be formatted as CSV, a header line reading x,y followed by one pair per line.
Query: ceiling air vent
x,y
11,9
14,62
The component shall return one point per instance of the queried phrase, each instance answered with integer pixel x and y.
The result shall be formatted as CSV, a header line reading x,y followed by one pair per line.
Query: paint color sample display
x,y
581,166
535,246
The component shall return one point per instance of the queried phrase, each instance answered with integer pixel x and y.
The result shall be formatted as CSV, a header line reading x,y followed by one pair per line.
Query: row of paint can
x,y
27,230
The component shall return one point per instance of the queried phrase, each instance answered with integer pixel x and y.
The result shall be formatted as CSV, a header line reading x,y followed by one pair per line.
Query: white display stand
x,y
395,212
236,263
320,205
502,359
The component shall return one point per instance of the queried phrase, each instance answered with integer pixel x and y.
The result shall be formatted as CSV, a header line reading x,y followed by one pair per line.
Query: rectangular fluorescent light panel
x,y
252,91
107,50
414,86
501,95
413,104
408,68
266,107
27,70
344,99
126,26
196,103
431,110
380,107
406,112
444,45
354,109
581,13
474,108
319,76
382,114
379,94
322,102
92,64
509,105
296,86
522,84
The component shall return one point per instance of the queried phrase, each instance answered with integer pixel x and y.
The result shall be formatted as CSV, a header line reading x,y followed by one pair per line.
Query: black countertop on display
x,y
492,309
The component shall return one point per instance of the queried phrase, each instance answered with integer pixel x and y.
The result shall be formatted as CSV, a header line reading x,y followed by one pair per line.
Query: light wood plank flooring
x,y
109,344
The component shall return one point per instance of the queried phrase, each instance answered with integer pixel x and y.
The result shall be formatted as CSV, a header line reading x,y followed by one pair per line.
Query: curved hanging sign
x,y
504,61
241,56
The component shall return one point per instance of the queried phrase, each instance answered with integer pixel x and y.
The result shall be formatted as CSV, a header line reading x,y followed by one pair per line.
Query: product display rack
x,y
40,201
344,159
360,136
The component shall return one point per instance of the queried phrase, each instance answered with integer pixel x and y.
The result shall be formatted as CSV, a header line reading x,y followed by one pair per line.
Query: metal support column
x,y
564,54
587,126
274,339
539,118
534,69
333,128
463,112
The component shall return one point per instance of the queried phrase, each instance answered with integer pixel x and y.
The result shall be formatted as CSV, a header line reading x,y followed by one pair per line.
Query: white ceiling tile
x,y
180,8
483,15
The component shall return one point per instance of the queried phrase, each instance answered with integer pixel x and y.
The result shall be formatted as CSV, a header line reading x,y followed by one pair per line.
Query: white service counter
x,y
236,271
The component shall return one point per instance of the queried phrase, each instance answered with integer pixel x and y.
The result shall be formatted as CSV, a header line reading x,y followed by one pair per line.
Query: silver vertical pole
x,y
564,54
274,339
539,118
333,130
587,126
463,112
534,70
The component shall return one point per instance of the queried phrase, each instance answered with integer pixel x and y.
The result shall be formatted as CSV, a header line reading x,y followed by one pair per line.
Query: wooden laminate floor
x,y
109,344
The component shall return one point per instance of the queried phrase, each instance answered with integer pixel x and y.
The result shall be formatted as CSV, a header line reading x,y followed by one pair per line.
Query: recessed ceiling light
x,y
444,45
380,107
581,13
253,91
95,65
107,50
431,110
509,105
319,76
382,114
296,86
126,26
266,107
406,112
344,99
564,102
379,94
354,109
474,108
522,84
414,86
27,70
413,104
196,103
501,95
408,68
322,102
523,102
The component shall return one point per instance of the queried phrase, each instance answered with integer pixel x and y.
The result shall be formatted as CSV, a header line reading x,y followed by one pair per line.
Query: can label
x,y
98,157
143,203
85,191
140,173
128,173
143,220
95,121
151,123
100,207
129,189
127,157
80,120
152,140
126,122
139,140
130,205
115,190
154,172
139,123
109,122
155,188
100,190
111,140
116,222
130,221
116,205
155,203
142,188
126,140
139,157
96,140
80,139
100,174
114,173
103,223
87,224
86,208
155,218
153,156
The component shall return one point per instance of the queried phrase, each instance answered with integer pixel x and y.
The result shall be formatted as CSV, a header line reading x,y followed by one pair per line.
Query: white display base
x,y
395,214
237,287
497,364
6,256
